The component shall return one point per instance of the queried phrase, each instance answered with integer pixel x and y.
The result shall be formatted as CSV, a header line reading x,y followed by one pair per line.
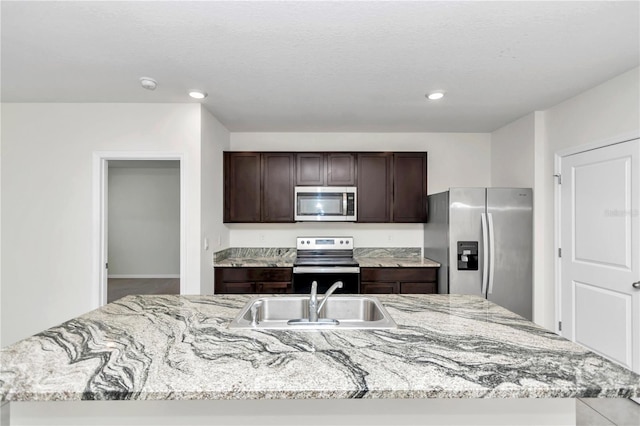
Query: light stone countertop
x,y
255,262
284,258
179,348
365,262
396,262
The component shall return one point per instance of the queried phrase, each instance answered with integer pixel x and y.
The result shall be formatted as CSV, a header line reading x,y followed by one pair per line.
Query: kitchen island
x,y
451,355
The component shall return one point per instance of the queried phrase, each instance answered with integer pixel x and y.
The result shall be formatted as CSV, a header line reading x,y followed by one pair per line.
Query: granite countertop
x,y
179,348
396,262
284,258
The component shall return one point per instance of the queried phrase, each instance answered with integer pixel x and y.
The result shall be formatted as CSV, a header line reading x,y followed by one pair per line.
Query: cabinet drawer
x,y
398,274
255,274
379,288
418,288
235,288
271,288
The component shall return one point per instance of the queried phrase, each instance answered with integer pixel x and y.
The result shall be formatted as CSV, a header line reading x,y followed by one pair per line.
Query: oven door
x,y
326,276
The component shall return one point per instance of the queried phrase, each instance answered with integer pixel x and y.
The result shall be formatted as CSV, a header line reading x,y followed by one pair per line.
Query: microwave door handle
x,y
344,203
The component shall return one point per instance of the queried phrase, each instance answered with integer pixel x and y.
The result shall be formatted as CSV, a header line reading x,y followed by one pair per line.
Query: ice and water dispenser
x,y
467,255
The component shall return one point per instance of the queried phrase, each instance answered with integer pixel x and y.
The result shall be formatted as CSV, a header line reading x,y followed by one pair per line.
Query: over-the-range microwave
x,y
326,203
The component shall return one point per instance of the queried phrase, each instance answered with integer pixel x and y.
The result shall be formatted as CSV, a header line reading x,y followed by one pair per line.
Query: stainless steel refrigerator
x,y
483,238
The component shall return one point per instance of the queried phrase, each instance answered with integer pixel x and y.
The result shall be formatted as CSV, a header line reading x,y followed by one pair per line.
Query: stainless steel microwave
x,y
326,203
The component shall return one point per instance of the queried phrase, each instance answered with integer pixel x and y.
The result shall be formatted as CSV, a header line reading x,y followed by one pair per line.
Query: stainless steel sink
x,y
292,312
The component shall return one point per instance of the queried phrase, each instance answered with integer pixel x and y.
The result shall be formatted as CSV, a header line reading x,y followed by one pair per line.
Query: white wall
x,y
144,220
605,112
215,140
512,149
523,153
517,156
454,159
47,150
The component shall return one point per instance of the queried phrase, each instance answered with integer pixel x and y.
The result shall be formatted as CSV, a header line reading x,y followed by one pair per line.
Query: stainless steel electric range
x,y
325,260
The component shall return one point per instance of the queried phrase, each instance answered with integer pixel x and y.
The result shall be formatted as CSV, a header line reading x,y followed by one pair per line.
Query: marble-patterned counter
x,y
179,348
284,258
255,257
392,258
396,262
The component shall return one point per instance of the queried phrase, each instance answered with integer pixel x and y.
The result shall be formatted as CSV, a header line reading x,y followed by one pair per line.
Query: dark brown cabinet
x,y
258,187
242,183
392,187
399,280
252,280
310,169
409,187
341,169
374,186
277,187
325,169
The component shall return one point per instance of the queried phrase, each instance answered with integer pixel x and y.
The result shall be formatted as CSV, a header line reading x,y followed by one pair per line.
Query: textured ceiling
x,y
321,66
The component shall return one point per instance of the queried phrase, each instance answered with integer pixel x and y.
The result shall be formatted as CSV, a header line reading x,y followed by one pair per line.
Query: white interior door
x,y
104,274
600,263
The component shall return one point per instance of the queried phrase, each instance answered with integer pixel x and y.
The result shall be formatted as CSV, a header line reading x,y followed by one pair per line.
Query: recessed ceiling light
x,y
148,83
435,95
198,94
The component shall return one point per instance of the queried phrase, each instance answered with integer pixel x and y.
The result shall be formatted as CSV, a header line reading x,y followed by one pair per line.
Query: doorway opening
x,y
141,240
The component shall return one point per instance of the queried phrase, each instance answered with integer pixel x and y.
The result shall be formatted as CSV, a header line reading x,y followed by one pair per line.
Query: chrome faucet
x,y
313,302
314,308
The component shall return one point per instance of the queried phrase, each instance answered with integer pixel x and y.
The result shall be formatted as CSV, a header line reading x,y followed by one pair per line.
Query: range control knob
x,y
347,241
308,242
341,242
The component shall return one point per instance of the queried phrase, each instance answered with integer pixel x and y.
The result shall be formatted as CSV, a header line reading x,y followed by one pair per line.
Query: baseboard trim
x,y
145,276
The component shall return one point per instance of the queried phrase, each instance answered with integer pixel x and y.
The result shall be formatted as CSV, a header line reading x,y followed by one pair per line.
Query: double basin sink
x,y
292,313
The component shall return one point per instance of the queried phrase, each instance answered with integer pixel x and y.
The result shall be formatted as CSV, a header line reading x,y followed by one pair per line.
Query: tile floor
x,y
607,411
120,287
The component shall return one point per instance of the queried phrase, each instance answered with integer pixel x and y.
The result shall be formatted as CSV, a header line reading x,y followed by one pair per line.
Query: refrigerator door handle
x,y
485,255
491,253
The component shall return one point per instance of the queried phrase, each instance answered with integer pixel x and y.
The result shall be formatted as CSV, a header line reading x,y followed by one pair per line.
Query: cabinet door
x,y
379,288
410,187
310,169
277,187
242,187
341,169
374,187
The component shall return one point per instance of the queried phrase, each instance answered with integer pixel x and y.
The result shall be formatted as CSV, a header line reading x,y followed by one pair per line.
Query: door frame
x,y
99,191
557,170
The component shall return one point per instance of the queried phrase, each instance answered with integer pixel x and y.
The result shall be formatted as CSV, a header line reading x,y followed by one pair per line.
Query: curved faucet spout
x,y
329,292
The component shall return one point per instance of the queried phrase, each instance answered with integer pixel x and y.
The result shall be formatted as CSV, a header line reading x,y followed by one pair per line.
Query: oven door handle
x,y
326,270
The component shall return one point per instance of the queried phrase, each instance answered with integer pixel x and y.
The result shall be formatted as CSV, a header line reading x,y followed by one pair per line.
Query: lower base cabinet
x,y
252,280
247,280
399,280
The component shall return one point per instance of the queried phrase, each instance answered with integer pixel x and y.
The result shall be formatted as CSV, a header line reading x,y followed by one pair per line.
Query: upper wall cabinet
x,y
277,187
374,186
325,169
409,187
258,187
310,169
242,186
392,187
